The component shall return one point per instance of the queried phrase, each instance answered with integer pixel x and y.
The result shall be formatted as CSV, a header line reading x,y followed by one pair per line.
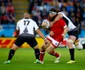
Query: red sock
x,y
55,54
42,53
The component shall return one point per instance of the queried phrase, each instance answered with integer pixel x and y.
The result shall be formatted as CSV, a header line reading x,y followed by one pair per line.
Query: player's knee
x,y
36,47
15,47
43,47
69,41
49,51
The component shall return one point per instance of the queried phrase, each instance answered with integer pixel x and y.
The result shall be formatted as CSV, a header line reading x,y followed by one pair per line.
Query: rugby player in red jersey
x,y
56,35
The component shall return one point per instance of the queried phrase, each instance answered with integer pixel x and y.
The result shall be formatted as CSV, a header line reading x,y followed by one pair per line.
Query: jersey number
x,y
26,22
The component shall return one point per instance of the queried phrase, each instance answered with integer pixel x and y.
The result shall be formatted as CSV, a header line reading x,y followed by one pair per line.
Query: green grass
x,y
24,58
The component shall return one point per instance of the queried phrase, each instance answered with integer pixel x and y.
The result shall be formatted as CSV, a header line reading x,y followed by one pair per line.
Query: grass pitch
x,y
24,60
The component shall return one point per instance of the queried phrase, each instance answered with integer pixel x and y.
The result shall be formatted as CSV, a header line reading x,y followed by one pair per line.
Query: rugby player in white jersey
x,y
72,34
25,31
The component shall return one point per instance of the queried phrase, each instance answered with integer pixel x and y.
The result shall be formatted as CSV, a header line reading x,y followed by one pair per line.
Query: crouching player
x,y
25,29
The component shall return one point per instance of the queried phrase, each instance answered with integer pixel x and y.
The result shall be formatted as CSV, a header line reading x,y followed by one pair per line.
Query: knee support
x,y
70,41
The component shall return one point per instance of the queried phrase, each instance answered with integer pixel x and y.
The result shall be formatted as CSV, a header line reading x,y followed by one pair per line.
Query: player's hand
x,y
51,33
63,35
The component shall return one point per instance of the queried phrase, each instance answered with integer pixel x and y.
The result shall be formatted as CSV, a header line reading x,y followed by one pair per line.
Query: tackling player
x,y
72,33
25,29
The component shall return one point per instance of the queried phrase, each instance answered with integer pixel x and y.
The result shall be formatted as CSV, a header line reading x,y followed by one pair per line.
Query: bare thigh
x,y
50,49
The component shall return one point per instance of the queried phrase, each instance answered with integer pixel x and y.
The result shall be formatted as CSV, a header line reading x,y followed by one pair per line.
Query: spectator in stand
x,y
69,6
82,3
7,1
10,12
4,19
44,13
83,22
11,18
30,6
2,8
1,2
9,8
35,15
46,1
78,11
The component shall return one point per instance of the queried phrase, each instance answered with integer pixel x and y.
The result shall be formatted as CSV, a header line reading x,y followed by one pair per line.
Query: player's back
x,y
26,26
58,26
70,24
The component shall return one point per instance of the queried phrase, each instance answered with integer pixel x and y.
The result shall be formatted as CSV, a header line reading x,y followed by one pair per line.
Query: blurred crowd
x,y
74,9
7,12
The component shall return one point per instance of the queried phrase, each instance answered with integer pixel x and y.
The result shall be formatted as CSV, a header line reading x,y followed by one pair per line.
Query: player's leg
x,y
70,42
43,49
37,53
51,51
11,53
33,43
15,46
78,44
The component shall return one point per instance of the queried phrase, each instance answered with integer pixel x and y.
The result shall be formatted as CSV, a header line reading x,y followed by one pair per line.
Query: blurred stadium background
x,y
12,10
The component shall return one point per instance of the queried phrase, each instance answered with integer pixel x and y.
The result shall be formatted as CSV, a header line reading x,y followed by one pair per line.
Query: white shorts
x,y
54,42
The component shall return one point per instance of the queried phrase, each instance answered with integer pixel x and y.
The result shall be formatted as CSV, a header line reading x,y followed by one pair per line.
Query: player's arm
x,y
16,33
63,24
58,17
40,33
65,31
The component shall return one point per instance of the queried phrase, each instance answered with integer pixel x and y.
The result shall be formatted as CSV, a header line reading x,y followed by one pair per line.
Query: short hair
x,y
53,9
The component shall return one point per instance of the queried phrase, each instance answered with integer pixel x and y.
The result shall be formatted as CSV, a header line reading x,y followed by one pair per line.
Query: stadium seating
x,y
7,30
82,34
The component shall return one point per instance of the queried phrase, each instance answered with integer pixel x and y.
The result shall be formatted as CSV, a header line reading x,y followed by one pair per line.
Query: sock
x,y
71,53
11,54
37,53
55,54
42,53
83,46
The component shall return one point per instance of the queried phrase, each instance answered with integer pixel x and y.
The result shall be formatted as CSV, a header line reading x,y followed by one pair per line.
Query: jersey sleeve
x,y
63,23
35,26
17,26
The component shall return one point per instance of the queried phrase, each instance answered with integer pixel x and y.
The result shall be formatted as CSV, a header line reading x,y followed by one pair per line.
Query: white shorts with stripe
x,y
55,43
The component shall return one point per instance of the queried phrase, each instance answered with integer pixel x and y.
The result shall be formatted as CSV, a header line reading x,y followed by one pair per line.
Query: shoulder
x,y
61,21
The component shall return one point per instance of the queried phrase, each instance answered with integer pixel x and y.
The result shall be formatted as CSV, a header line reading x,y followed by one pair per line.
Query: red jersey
x,y
58,29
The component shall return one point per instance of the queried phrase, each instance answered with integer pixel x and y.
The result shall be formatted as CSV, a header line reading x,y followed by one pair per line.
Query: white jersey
x,y
26,26
71,26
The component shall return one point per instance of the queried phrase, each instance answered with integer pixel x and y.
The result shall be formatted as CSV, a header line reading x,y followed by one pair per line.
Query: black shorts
x,y
22,39
73,33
